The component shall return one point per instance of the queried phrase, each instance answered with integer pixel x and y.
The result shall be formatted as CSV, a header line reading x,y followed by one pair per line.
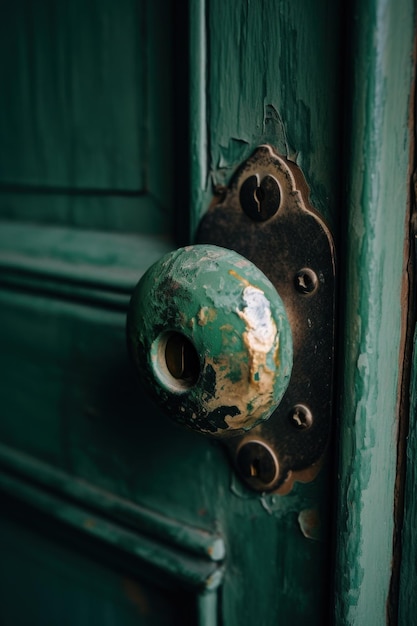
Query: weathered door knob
x,y
211,341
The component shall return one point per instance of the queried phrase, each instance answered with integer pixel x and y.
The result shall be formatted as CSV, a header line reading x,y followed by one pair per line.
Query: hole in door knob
x,y
175,361
182,360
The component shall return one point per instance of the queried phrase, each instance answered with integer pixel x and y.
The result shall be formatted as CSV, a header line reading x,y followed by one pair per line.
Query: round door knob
x,y
210,339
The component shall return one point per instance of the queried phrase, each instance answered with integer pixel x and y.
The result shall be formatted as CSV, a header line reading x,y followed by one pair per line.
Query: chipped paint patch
x,y
240,278
235,323
261,328
261,336
206,314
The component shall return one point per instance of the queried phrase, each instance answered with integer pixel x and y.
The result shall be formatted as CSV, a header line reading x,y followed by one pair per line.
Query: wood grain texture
x,y
70,582
260,72
182,568
75,263
86,121
377,170
269,72
77,493
272,75
76,94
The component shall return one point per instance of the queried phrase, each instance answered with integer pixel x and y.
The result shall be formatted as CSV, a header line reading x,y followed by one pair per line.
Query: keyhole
x,y
182,360
260,197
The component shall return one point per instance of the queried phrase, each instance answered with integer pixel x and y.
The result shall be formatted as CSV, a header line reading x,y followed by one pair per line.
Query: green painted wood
x,y
185,569
149,523
380,69
86,123
70,584
272,76
207,609
258,72
105,211
198,129
69,489
75,90
74,403
91,266
269,72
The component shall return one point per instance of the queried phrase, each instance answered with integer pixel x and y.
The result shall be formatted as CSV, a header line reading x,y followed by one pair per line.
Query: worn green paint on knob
x,y
211,340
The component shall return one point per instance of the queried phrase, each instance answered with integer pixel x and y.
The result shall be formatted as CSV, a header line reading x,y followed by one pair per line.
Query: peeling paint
x,y
236,275
261,330
206,314
380,151
235,151
274,129
235,321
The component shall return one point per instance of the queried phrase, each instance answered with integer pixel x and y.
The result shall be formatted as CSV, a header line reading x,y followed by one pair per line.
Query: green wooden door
x,y
117,121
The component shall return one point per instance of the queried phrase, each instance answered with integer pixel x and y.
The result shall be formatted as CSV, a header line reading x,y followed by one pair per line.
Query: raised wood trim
x,y
79,265
191,555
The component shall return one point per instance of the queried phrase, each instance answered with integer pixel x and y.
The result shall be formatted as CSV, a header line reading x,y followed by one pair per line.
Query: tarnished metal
x,y
306,281
260,197
294,248
210,339
257,463
301,417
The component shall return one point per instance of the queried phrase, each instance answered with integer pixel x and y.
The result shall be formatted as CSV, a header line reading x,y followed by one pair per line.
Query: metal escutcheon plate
x,y
264,214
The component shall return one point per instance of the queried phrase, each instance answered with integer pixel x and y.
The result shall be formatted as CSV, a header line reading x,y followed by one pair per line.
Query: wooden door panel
x,y
75,423
98,487
75,80
55,578
86,122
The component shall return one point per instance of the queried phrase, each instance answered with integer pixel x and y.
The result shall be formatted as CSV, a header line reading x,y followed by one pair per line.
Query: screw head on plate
x,y
301,417
306,281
